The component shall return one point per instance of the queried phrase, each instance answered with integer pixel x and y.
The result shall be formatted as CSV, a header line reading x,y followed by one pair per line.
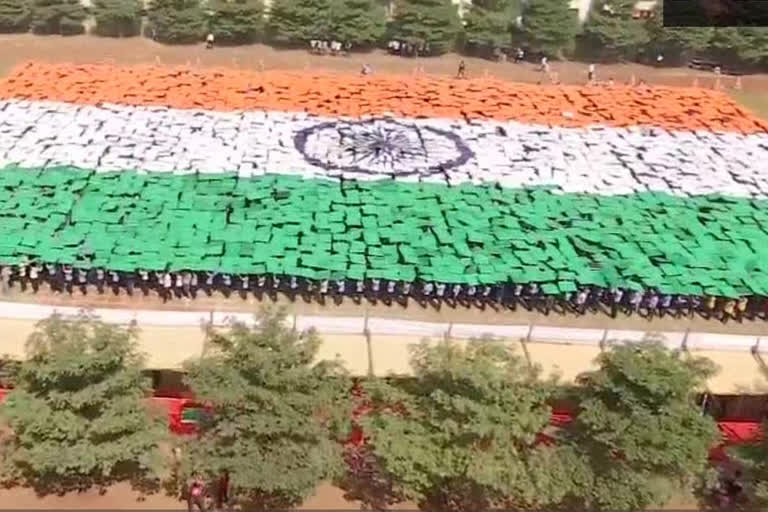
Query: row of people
x,y
531,297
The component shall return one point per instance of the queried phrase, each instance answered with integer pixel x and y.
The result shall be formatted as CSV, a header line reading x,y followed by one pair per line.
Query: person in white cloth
x,y
209,41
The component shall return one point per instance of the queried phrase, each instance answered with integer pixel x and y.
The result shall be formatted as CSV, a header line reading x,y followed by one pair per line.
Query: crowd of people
x,y
545,298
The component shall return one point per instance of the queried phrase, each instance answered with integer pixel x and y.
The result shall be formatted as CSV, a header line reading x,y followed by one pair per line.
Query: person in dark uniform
x,y
222,491
462,73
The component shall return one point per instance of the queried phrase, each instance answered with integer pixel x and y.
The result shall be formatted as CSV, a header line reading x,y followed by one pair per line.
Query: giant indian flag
x,y
403,178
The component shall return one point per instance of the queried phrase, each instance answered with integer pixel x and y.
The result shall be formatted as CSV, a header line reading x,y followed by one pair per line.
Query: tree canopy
x,y
277,414
77,414
15,16
639,430
117,18
550,27
612,31
462,434
299,21
62,17
177,21
236,21
361,23
676,43
431,23
357,22
489,23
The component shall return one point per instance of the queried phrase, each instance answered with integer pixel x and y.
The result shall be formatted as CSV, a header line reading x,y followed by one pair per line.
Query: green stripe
x,y
384,229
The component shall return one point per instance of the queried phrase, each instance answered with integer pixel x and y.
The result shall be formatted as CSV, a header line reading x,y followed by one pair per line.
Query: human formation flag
x,y
404,179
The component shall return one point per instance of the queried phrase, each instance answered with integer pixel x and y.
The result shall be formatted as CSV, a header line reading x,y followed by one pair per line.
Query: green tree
x,y
77,415
611,30
488,24
117,18
747,44
236,21
461,435
64,17
676,43
434,24
639,429
358,22
550,27
177,21
15,16
299,21
275,412
362,23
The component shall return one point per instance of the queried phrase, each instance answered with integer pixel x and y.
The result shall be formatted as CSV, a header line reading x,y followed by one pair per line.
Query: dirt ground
x,y
121,497
412,312
89,49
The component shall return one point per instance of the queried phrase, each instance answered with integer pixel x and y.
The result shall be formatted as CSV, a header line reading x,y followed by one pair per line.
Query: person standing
x,y
209,41
196,494
462,72
222,491
591,73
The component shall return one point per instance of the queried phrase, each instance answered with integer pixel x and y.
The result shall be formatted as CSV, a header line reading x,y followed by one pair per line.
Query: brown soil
x,y
412,312
89,49
121,497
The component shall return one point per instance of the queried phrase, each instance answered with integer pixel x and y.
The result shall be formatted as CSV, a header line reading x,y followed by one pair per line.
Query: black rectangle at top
x,y
715,13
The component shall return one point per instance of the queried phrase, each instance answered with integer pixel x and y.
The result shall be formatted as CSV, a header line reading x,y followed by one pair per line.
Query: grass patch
x,y
757,102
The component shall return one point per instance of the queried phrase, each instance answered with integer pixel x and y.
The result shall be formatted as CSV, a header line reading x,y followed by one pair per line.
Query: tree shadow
x,y
365,481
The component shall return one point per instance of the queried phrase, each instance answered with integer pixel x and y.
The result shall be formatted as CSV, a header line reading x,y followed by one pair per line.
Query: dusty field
x,y
412,312
121,497
87,49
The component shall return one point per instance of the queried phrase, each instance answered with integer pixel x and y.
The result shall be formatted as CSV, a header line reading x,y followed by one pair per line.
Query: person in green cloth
x,y
708,307
359,291
405,292
114,281
53,279
617,296
69,278
5,279
226,285
82,280
245,286
741,308
338,296
144,283
728,310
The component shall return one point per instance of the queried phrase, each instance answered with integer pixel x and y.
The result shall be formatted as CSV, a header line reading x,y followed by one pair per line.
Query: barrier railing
x,y
385,327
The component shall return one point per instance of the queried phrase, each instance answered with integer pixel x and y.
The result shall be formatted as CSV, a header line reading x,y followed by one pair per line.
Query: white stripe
x,y
594,160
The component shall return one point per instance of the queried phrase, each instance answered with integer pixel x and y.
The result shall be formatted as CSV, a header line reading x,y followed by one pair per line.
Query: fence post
x,y
524,344
447,335
604,339
685,339
368,344
755,349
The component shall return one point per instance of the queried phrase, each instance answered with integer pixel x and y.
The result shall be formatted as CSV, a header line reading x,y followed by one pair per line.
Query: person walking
x,y
591,73
209,41
462,72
